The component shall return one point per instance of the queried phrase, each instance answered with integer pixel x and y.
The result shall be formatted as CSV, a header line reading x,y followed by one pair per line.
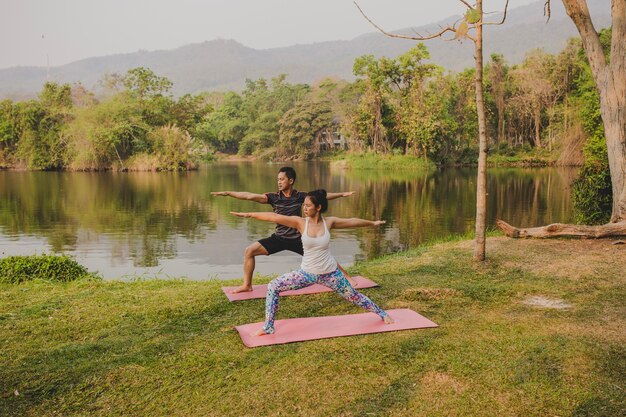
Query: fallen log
x,y
565,230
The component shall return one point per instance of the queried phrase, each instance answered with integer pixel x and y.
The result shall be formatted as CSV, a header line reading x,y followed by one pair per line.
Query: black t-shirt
x,y
287,206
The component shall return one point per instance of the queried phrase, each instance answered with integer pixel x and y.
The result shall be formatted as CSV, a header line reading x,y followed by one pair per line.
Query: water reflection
x,y
169,224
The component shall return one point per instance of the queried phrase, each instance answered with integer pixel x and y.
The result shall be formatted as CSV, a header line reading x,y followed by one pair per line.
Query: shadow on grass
x,y
52,375
611,401
400,391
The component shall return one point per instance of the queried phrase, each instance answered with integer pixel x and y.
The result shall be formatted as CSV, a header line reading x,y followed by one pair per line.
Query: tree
x,y
372,105
223,129
425,120
610,77
40,126
152,93
591,191
472,20
420,111
609,74
188,111
497,73
9,134
302,128
146,84
106,133
174,148
263,104
537,87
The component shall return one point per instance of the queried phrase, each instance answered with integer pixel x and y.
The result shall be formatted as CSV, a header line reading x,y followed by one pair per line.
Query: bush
x,y
502,148
468,156
592,191
208,156
140,162
17,269
174,148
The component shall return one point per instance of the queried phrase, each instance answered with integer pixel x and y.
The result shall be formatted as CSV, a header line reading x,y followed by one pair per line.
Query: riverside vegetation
x,y
537,329
540,112
401,105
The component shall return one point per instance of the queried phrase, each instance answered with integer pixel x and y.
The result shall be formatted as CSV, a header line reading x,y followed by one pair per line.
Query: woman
x,y
318,265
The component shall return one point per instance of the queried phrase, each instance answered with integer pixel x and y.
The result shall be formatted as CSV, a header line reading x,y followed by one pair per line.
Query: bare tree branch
x,y
393,35
506,6
546,10
466,3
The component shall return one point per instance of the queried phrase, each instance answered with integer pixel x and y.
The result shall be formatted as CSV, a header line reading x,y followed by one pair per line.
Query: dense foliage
x,y
546,105
16,269
401,105
592,192
135,119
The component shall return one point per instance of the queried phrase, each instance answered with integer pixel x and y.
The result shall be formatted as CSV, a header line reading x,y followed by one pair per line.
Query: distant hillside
x,y
225,64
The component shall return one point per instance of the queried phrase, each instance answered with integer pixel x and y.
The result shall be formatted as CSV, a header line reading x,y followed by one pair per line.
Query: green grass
x,y
371,161
521,157
169,348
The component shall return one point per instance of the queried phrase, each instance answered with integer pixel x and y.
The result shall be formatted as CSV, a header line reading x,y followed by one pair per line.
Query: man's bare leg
x,y
249,263
351,280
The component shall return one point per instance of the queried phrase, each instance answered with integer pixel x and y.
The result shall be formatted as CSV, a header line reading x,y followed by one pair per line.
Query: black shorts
x,y
275,243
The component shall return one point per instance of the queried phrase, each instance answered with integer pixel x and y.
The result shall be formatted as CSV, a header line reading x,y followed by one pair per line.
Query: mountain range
x,y
223,64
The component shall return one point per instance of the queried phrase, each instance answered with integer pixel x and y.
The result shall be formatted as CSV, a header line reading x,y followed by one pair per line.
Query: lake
x,y
125,225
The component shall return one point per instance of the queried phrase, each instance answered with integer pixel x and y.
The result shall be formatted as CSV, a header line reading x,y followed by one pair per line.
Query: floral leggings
x,y
299,279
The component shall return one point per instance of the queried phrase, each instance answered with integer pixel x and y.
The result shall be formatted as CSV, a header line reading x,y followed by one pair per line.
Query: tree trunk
x,y
565,230
500,134
610,79
537,118
481,179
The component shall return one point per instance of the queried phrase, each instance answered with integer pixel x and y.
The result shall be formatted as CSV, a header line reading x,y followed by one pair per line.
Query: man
x,y
287,201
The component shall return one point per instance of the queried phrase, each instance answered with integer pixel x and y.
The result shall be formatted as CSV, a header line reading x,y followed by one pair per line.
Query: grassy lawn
x,y
376,163
169,348
522,158
401,163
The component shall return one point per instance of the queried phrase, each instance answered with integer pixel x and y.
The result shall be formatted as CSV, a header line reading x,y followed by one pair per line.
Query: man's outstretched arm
x,y
242,195
332,196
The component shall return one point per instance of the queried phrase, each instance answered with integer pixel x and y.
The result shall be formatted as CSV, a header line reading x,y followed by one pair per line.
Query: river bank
x,y
536,330
347,160
370,161
392,162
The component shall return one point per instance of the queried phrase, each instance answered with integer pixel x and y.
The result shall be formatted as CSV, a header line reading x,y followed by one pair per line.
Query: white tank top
x,y
317,258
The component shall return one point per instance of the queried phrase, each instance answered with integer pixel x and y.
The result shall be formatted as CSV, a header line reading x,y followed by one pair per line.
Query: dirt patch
x,y
435,382
540,301
564,258
492,244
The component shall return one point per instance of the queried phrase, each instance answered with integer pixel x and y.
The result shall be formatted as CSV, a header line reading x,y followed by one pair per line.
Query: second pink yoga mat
x,y
311,328
259,291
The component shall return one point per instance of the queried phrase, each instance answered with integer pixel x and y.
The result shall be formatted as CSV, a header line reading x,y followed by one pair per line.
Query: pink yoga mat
x,y
259,291
311,328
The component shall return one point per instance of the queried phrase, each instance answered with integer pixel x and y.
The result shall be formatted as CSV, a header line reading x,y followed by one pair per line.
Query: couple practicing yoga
x,y
308,236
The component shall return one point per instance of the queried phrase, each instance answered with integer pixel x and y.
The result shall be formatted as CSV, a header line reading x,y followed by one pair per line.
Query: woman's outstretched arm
x,y
339,223
295,222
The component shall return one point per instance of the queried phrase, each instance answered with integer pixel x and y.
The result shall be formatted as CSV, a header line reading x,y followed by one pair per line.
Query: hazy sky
x,y
33,32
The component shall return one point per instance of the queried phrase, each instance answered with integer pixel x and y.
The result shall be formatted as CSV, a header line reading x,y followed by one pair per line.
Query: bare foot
x,y
388,320
259,332
242,288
